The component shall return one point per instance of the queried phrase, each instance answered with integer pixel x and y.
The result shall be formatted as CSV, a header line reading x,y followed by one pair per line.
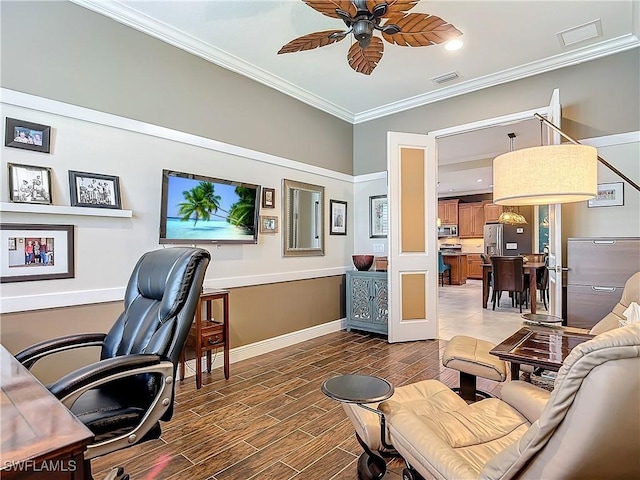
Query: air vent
x,y
447,77
580,33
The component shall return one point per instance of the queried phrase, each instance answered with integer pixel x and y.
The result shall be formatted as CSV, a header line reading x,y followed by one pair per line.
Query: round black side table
x,y
362,389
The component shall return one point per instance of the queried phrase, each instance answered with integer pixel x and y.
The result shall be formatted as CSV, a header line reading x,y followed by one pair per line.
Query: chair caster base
x,y
371,467
117,473
410,474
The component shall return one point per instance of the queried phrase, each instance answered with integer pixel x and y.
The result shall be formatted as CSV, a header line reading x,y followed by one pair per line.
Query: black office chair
x,y
123,397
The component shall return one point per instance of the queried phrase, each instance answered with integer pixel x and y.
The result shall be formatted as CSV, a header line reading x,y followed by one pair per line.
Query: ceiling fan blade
x,y
365,60
313,40
394,7
420,30
328,7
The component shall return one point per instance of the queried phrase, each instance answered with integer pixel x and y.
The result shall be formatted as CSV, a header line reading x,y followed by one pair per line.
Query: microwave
x,y
447,231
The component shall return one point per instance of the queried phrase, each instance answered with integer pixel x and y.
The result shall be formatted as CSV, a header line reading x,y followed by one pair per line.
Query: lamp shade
x,y
546,175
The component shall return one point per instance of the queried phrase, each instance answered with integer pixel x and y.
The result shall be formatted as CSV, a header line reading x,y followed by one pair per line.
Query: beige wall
x,y
256,313
598,98
618,221
87,59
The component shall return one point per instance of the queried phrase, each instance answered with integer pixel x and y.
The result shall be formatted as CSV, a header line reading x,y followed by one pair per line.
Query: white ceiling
x,y
503,41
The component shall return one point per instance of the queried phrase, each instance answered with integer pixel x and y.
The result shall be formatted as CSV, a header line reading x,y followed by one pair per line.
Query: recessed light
x,y
452,189
479,180
454,44
491,186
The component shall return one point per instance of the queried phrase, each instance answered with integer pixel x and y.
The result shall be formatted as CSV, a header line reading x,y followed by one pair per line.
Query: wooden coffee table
x,y
538,346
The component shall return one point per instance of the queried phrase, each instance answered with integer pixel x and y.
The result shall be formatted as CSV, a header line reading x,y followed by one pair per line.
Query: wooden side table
x,y
209,334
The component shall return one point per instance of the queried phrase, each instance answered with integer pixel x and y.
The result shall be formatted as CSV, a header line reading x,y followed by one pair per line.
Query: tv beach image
x,y
209,211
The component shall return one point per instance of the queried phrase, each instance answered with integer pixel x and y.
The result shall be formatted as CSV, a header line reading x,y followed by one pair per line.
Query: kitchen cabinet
x,y
448,212
492,212
471,220
459,267
367,300
598,270
474,266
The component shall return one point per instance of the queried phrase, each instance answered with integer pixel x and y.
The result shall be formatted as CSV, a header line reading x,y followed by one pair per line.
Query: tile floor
x,y
271,421
460,312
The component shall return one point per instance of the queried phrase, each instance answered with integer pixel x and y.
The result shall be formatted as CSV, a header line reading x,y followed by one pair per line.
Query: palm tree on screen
x,y
200,202
242,212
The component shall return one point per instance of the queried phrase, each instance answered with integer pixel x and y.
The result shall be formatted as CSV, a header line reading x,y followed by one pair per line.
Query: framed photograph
x,y
36,252
608,195
29,184
268,224
378,216
94,190
338,217
27,135
268,198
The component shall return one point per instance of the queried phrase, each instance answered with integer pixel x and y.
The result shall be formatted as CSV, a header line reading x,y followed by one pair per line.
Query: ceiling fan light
x,y
455,44
362,30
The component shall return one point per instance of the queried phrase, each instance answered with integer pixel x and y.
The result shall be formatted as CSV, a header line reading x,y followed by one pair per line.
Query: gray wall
x,y
65,52
598,98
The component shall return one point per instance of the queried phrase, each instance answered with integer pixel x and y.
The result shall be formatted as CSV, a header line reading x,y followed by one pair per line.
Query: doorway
x,y
465,166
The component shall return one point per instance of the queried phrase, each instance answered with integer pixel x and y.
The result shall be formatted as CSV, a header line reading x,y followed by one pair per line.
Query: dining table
x,y
530,267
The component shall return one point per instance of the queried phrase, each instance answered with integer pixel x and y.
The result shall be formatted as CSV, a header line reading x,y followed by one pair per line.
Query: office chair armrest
x,y
527,399
99,373
30,355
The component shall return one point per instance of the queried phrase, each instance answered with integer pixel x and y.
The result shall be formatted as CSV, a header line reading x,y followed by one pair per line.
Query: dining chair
x,y
442,269
508,276
542,283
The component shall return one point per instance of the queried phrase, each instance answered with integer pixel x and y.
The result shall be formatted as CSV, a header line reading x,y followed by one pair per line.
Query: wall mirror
x,y
303,225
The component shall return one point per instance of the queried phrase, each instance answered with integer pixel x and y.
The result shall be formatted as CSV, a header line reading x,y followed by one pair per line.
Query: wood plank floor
x,y
271,421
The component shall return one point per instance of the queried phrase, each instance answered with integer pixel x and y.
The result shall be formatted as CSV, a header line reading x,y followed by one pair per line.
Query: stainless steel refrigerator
x,y
507,240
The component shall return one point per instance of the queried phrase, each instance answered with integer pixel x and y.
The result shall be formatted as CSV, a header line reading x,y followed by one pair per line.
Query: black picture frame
x,y
94,190
29,184
378,216
268,198
337,217
21,264
27,135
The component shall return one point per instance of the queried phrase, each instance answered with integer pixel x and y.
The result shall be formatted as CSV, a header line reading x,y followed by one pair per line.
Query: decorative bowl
x,y
362,262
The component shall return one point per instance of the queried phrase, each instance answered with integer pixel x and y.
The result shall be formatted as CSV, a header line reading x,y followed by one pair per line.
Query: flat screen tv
x,y
198,209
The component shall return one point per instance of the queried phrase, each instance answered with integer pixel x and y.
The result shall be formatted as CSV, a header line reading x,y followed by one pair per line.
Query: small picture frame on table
x,y
337,217
36,252
29,184
27,135
268,198
268,224
94,190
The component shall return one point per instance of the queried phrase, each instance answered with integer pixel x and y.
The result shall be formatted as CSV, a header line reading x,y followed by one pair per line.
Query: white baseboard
x,y
269,345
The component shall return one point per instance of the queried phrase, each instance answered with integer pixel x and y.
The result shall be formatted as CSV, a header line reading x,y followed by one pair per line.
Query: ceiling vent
x,y
580,33
447,77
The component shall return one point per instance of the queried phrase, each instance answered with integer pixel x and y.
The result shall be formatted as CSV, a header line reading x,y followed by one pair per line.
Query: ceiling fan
x,y
362,18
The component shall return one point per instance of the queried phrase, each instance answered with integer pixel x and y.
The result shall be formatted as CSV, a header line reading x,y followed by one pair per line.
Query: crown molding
x,y
145,24
134,19
585,54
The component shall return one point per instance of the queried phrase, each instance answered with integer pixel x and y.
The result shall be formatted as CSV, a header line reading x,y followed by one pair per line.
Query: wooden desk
x,y
543,347
209,334
41,438
530,267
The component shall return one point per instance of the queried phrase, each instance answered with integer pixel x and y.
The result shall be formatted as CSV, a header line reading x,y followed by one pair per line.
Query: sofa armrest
x,y
527,399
